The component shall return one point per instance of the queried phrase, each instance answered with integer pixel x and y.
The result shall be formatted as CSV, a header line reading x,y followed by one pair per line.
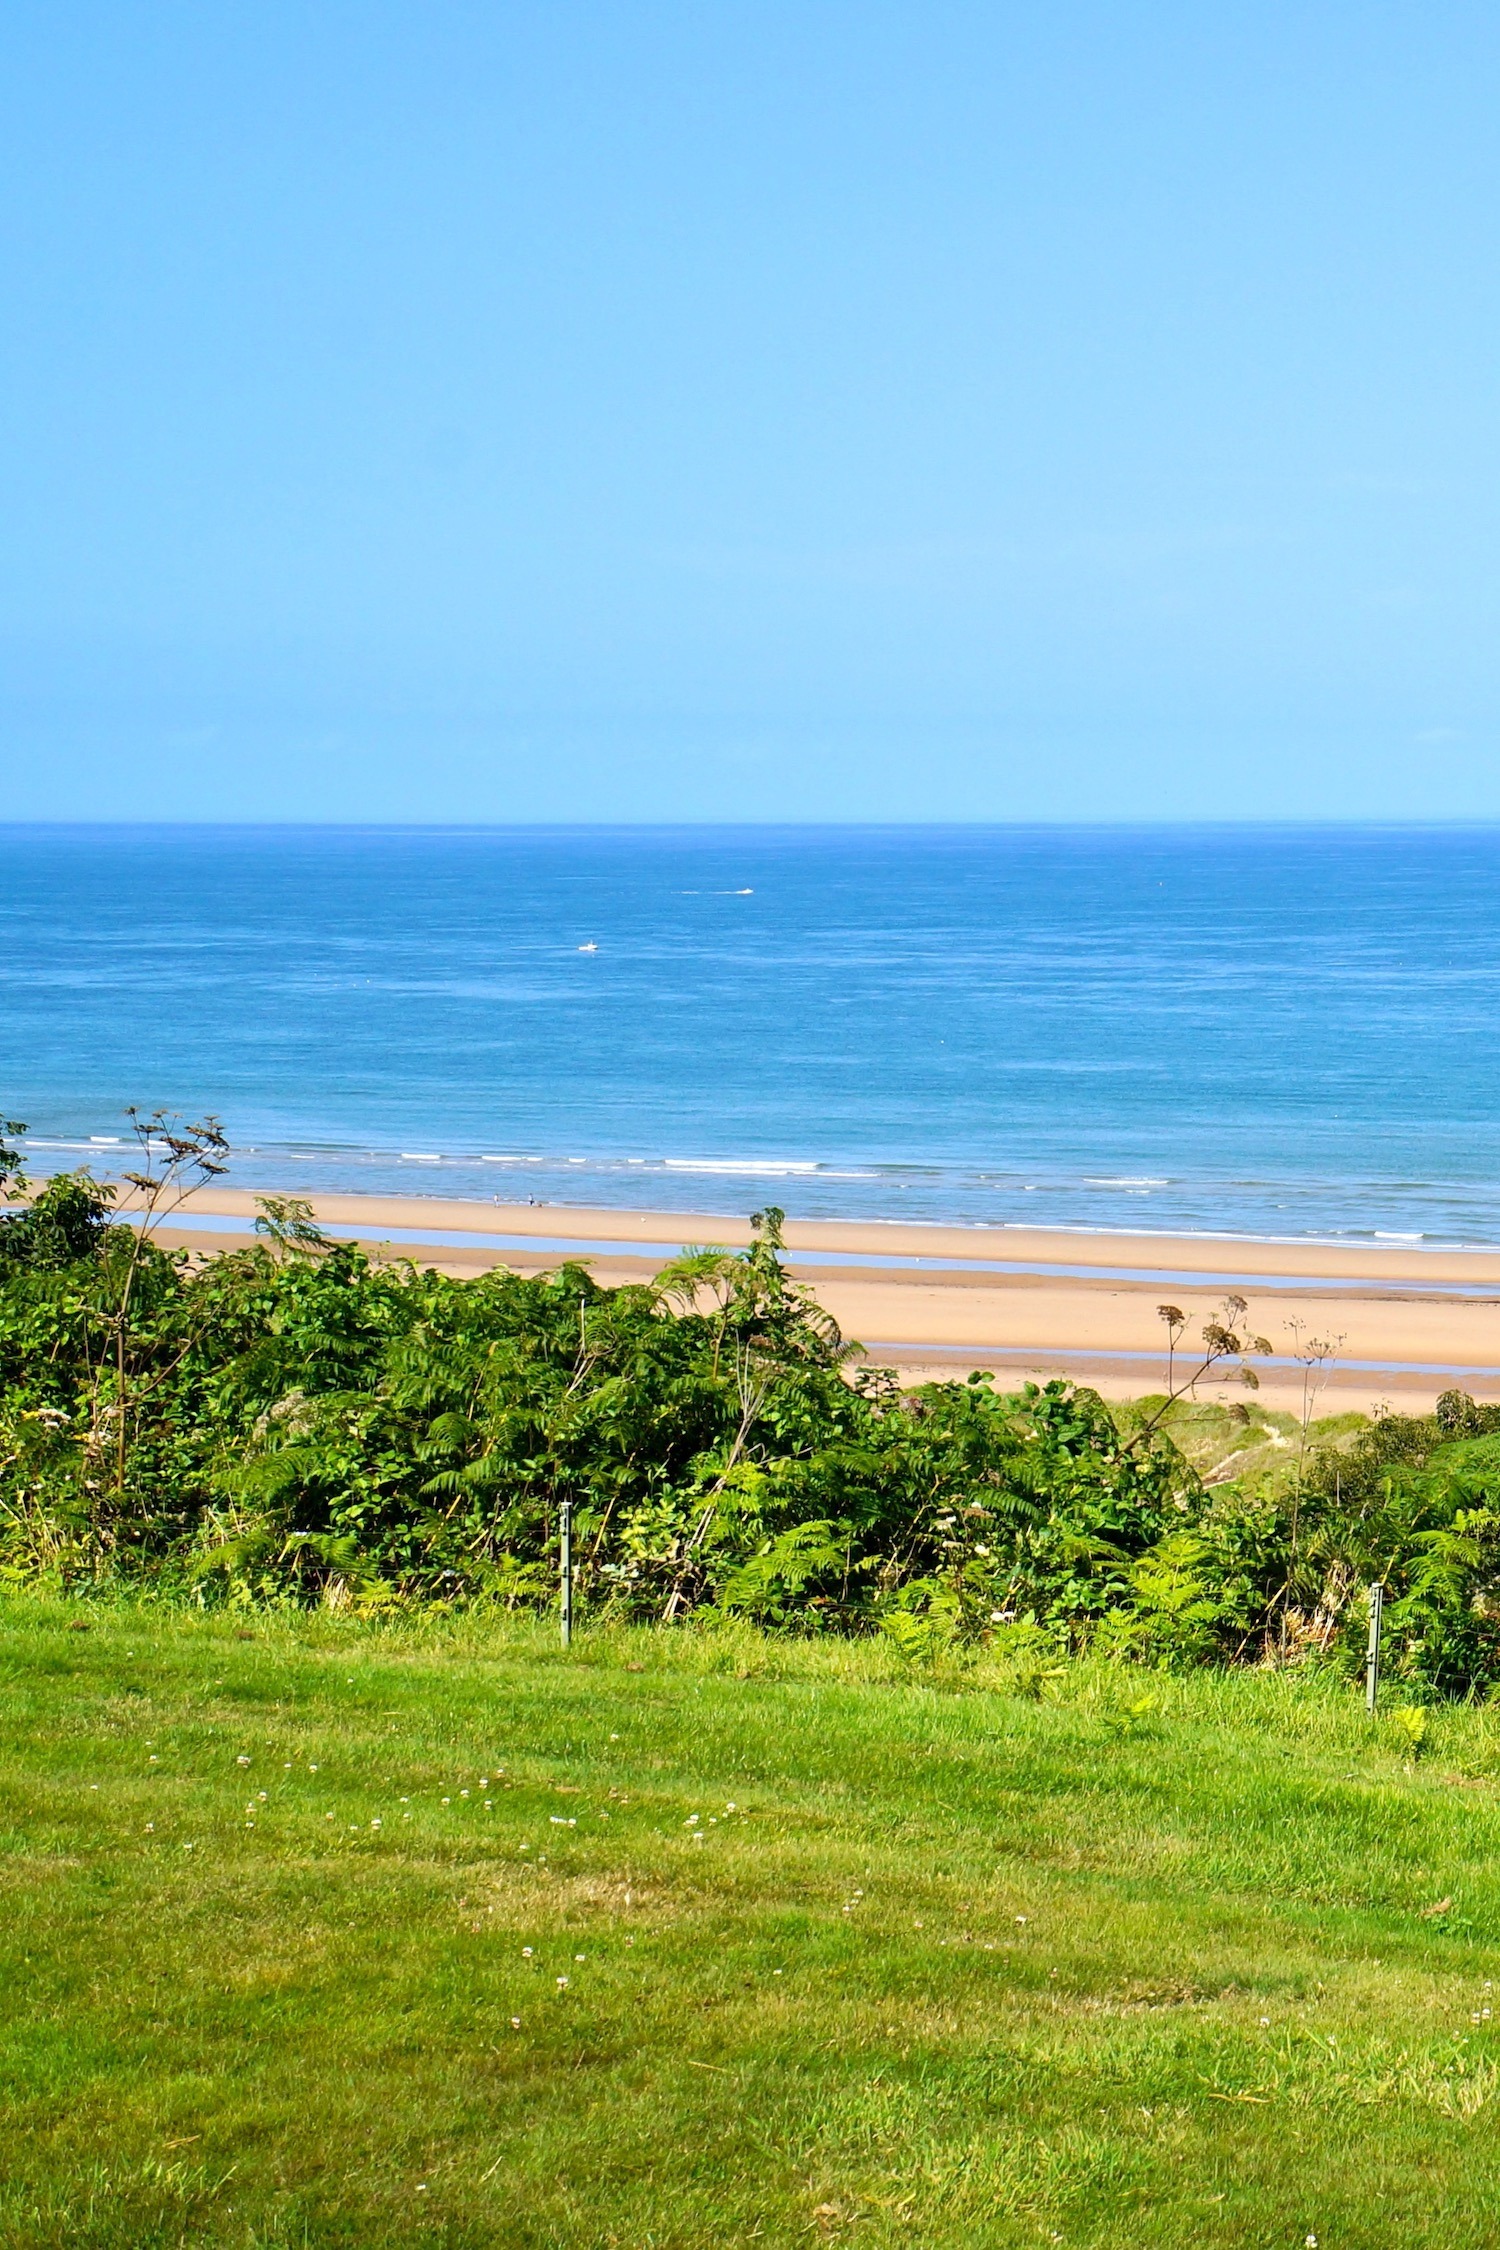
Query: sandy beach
x,y
935,1300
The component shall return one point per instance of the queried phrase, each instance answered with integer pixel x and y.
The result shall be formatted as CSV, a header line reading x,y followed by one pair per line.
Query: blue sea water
x,y
1272,1031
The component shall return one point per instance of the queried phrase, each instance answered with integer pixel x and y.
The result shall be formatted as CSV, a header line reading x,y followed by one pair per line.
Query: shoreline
x,y
936,1301
422,1216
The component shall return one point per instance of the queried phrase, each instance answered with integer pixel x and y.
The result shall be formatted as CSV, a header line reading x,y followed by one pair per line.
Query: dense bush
x,y
295,1422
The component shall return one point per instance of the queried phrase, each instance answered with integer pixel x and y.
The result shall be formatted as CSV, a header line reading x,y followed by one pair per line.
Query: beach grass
x,y
325,1933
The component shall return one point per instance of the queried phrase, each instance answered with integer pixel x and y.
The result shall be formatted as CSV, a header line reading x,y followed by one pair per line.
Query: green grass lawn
x,y
317,1933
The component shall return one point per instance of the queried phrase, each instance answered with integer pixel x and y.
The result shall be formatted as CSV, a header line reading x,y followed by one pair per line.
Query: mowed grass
x,y
697,1938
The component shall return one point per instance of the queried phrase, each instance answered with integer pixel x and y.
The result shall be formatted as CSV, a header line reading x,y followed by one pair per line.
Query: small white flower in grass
x,y
526,1953
151,1828
463,1792
1311,2241
242,1760
93,1785
578,1956
484,1781
1020,1917
261,1794
614,1738
354,1827
154,1760
446,1800
312,1769
488,1806
515,2023
561,1982
374,1824
328,1816
287,1767
1265,2023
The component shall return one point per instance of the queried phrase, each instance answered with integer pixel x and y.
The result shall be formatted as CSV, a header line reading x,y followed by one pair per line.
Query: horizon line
x,y
346,824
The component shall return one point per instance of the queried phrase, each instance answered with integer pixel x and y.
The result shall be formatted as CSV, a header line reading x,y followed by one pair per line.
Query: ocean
x,y
1266,1031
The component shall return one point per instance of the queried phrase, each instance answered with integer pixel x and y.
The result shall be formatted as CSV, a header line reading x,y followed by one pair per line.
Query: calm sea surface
x,y
1271,1031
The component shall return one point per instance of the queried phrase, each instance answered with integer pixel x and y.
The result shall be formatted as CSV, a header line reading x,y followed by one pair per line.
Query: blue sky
x,y
874,409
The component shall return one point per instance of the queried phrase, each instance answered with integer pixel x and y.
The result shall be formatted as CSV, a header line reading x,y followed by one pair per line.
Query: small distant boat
x,y
589,948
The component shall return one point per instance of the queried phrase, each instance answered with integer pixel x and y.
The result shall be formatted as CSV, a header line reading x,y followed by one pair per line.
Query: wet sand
x,y
1027,1302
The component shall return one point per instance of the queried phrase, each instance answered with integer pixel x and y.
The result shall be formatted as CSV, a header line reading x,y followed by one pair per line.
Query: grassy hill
x,y
318,1933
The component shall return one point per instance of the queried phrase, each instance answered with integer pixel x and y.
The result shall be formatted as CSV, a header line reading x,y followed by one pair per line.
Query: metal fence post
x,y
565,1572
1372,1657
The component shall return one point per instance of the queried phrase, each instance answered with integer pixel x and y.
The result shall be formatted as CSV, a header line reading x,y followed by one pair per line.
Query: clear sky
x,y
749,409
